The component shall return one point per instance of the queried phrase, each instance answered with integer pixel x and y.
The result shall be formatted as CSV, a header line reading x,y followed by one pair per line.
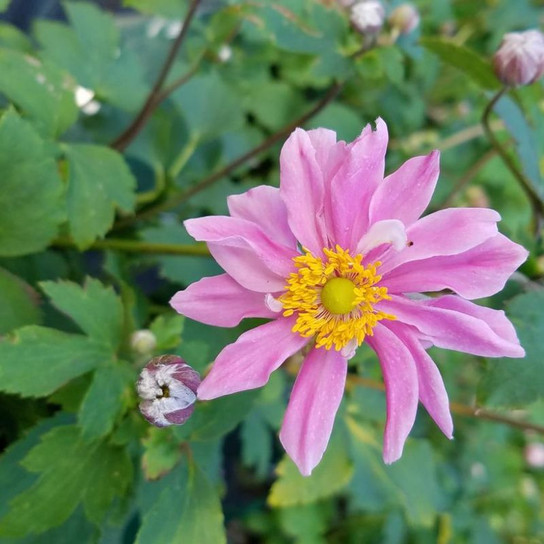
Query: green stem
x,y
536,202
185,154
138,246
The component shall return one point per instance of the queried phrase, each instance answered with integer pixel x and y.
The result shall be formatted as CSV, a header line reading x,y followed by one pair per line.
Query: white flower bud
x,y
167,387
367,17
520,58
534,454
143,341
404,18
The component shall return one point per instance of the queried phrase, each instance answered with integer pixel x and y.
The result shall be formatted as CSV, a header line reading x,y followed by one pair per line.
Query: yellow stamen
x,y
334,298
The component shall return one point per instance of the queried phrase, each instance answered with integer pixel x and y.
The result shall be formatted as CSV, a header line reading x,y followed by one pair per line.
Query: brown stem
x,y
458,408
126,137
536,202
181,197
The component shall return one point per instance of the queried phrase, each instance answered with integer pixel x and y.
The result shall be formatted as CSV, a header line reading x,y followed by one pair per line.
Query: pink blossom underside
x,y
314,401
248,362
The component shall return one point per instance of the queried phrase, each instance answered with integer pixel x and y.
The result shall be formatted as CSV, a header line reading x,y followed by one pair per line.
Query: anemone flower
x,y
338,256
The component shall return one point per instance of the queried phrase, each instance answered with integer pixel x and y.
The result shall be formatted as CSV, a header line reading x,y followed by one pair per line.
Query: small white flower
x,y
367,17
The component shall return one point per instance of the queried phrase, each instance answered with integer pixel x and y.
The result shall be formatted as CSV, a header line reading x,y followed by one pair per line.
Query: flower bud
x,y
167,387
520,58
534,454
404,18
367,17
143,341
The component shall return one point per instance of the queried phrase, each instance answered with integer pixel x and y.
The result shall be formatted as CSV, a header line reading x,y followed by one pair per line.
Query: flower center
x,y
338,295
334,297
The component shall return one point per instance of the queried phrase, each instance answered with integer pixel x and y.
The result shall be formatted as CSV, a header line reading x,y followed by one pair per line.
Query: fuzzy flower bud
x,y
167,387
367,17
520,58
534,454
143,341
404,18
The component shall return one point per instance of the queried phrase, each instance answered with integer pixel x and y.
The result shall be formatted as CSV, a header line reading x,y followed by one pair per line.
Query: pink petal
x,y
496,319
248,362
264,206
406,193
456,330
389,231
220,301
446,232
314,401
302,189
329,153
479,272
355,182
432,392
244,251
401,389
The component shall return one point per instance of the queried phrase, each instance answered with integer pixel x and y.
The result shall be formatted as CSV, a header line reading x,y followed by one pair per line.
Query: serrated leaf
x,y
42,91
103,401
330,476
519,382
464,59
256,443
167,329
72,473
36,361
19,303
32,192
99,181
209,105
162,453
188,510
95,308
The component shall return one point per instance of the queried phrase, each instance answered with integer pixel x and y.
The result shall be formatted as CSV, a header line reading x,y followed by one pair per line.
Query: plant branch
x,y
535,200
126,137
458,408
181,197
138,246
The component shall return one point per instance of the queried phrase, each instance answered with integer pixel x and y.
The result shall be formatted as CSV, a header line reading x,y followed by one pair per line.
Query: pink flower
x,y
365,253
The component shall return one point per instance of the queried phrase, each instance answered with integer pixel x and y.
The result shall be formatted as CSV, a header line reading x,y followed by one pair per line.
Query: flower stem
x,y
181,197
536,202
126,137
458,408
138,246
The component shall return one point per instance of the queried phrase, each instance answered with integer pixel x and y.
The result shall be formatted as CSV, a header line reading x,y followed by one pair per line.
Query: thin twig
x,y
124,139
536,202
459,408
181,197
138,246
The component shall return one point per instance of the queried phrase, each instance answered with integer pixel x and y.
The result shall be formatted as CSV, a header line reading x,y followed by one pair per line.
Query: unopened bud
x,y
404,18
534,454
367,17
143,341
520,58
167,387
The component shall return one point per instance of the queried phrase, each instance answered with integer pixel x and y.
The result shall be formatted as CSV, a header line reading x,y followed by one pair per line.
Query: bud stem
x,y
535,200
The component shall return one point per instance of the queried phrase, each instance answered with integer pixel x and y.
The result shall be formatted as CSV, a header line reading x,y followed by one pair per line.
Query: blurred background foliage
x,y
98,168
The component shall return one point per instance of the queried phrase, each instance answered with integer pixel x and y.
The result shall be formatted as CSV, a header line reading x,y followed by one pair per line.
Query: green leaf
x,y
104,400
96,309
32,191
188,510
218,417
330,476
43,91
519,382
167,329
4,5
257,443
209,105
169,9
99,181
19,303
36,361
464,59
162,452
71,472
12,38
